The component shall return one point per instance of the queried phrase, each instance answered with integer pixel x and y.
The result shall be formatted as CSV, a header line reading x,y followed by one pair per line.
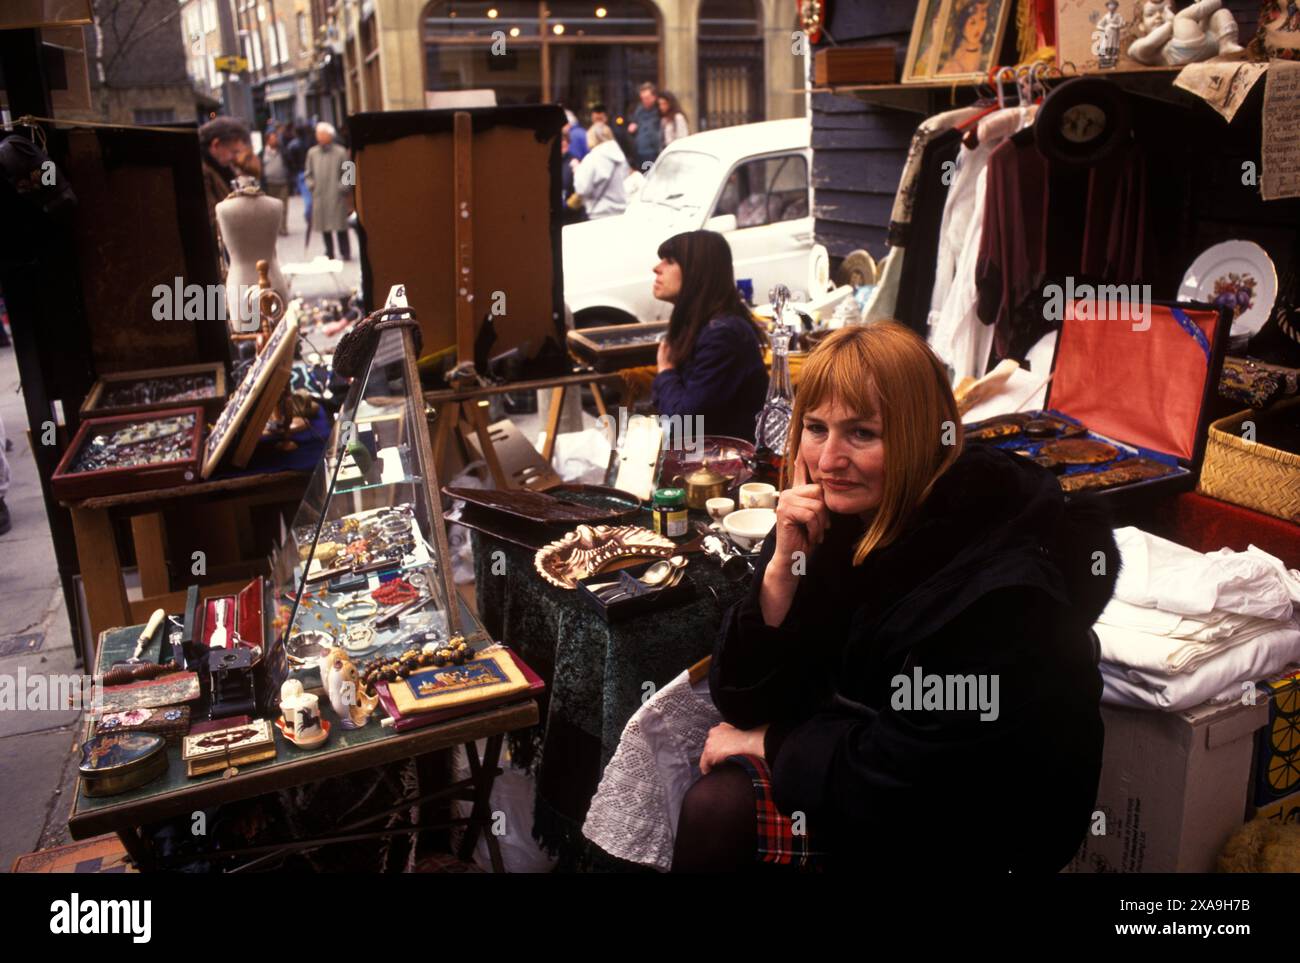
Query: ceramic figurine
x,y
1107,34
347,697
1200,32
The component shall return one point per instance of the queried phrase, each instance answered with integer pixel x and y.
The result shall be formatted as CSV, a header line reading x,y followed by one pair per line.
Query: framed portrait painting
x,y
955,40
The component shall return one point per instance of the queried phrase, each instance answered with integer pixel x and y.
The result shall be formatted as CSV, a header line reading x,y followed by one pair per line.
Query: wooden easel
x,y
467,397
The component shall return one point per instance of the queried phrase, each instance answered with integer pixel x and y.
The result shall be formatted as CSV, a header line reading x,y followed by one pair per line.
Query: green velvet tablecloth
x,y
597,674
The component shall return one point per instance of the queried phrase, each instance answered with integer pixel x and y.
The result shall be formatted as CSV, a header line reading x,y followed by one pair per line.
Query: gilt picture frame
x,y
956,41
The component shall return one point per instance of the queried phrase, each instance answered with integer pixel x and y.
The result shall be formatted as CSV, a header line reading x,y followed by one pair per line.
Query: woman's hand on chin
x,y
802,518
726,740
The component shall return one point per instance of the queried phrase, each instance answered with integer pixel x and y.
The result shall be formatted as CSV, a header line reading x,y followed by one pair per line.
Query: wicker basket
x,y
1248,473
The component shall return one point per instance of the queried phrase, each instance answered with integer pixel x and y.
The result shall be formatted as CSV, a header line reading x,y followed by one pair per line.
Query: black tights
x,y
717,829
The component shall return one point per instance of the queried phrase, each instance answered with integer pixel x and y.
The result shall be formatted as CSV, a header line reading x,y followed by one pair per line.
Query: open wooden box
x,y
68,485
100,402
612,347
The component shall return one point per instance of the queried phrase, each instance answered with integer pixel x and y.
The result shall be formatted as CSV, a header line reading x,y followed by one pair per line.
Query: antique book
x,y
217,765
232,746
491,676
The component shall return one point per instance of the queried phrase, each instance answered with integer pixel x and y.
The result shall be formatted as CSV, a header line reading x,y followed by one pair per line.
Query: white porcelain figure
x,y
1200,32
347,697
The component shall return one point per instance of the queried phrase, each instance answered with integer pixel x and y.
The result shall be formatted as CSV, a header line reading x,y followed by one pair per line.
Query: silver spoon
x,y
653,577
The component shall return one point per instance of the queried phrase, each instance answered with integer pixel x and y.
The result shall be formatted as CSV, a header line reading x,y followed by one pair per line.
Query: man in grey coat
x,y
331,190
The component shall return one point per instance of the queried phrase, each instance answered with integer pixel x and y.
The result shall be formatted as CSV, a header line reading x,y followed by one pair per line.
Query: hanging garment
x,y
916,282
1114,234
955,332
882,304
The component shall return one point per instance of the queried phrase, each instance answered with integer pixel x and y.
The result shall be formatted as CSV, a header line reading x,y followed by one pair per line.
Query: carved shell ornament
x,y
588,548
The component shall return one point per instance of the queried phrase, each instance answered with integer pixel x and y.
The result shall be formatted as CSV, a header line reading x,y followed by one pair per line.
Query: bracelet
x,y
370,607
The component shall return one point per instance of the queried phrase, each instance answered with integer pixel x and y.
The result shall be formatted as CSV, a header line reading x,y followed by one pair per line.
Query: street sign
x,y
230,64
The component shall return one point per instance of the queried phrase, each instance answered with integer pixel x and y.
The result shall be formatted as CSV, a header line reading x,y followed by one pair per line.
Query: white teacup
x,y
757,495
302,717
719,508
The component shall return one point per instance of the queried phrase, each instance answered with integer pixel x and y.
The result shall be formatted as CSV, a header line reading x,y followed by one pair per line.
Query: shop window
x,y
766,191
730,63
155,115
574,52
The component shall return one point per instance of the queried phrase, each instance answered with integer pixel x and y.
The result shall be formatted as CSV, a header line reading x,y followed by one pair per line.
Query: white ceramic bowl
x,y
749,526
719,508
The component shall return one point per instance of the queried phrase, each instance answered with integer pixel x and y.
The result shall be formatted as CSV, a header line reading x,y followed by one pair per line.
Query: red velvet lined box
x,y
243,616
68,485
1142,378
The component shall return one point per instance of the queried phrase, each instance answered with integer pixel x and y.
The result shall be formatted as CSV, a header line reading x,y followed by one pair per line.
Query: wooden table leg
x,y
599,399
150,537
484,775
553,422
478,418
101,570
140,852
448,415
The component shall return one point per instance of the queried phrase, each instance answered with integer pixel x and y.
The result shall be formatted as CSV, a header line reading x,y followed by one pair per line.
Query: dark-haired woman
x,y
672,121
711,360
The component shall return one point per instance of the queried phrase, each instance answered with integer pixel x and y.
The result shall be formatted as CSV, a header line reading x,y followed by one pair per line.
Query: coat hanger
x,y
971,125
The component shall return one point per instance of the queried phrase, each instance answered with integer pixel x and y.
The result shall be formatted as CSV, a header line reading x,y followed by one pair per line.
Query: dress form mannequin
x,y
250,226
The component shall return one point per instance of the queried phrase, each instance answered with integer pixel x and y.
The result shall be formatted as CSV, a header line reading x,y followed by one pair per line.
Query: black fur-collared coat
x,y
995,577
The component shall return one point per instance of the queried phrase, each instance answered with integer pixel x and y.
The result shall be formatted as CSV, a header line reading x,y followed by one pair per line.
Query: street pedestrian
x,y
275,176
600,175
672,122
331,195
645,127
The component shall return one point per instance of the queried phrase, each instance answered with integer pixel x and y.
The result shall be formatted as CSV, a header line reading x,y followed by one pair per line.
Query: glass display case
x,y
365,565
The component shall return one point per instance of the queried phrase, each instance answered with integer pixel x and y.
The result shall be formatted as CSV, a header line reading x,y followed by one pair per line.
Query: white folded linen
x,y
1223,674
1184,648
1160,574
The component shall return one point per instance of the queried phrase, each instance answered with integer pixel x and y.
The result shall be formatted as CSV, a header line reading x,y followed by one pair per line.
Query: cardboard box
x,y
1174,787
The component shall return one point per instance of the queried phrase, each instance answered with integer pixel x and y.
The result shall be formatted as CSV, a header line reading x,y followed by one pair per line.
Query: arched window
x,y
580,53
731,63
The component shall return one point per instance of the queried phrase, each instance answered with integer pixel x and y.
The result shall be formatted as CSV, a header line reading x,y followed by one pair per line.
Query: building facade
x,y
292,57
727,61
293,54
136,64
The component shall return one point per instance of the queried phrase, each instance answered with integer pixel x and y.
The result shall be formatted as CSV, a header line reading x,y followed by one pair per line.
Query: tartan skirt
x,y
781,841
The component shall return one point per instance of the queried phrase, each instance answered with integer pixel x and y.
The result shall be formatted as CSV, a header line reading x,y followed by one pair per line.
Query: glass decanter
x,y
773,424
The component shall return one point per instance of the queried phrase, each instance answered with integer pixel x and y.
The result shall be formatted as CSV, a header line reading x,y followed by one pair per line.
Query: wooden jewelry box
x,y
612,347
68,483
105,397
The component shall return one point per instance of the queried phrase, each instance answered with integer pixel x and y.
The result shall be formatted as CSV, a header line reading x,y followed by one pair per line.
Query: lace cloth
x,y
634,813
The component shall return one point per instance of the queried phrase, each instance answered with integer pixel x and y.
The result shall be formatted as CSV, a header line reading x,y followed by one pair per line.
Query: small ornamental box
x,y
128,453
612,347
1127,407
131,392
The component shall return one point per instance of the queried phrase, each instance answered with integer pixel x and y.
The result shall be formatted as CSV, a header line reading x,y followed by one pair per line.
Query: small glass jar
x,y
670,512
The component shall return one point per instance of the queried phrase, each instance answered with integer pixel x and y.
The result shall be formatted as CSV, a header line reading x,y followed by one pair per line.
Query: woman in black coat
x,y
912,681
